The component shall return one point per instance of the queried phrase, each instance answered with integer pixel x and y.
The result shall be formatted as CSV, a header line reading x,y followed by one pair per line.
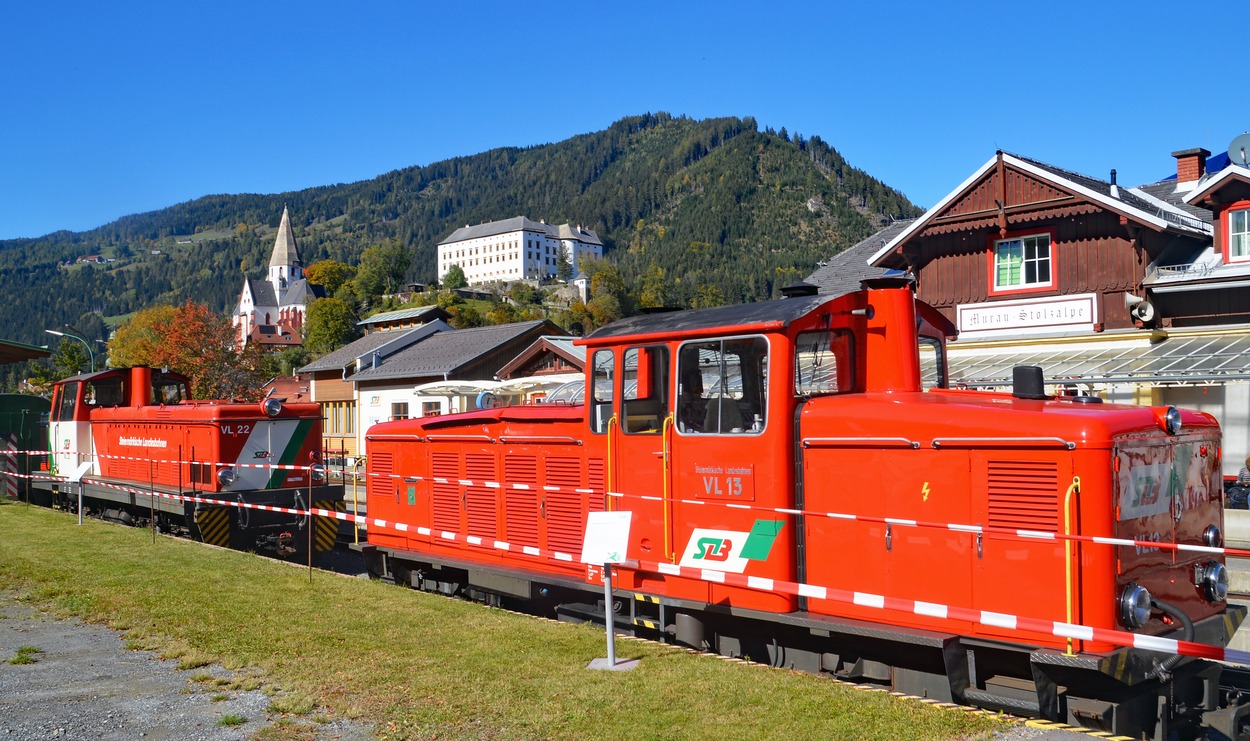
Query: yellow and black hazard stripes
x,y
214,525
326,529
1051,725
642,601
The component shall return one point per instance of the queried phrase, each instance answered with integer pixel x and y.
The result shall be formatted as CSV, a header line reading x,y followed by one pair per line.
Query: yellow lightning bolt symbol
x,y
925,491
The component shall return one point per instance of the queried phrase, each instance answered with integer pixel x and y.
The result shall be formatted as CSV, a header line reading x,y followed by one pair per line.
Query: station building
x,y
1134,294
516,249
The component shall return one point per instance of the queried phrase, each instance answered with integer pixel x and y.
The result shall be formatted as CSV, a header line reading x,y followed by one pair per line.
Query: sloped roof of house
x,y
1213,181
299,291
844,272
1129,202
447,352
435,312
262,292
384,343
274,335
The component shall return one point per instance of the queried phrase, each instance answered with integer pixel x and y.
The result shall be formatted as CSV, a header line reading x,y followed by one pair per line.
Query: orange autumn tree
x,y
193,340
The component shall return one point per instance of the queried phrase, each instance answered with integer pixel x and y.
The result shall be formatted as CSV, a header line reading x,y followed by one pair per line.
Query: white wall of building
x,y
374,405
511,256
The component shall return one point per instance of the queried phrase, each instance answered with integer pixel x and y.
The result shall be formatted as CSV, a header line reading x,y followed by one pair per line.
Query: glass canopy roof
x,y
1198,359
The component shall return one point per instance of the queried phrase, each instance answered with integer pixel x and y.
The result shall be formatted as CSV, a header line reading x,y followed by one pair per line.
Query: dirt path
x,y
83,683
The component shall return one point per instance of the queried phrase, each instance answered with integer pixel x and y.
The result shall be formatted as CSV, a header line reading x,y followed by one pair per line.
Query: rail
x,y
540,439
856,442
1003,442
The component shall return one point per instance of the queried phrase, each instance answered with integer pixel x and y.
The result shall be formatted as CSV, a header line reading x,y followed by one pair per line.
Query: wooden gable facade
x,y
1102,240
547,356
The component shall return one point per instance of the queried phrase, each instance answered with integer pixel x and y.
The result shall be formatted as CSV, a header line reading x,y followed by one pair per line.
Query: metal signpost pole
x,y
309,521
608,621
80,489
152,499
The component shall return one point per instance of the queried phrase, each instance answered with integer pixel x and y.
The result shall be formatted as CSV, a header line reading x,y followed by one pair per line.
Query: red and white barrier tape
x,y
776,586
865,599
1021,534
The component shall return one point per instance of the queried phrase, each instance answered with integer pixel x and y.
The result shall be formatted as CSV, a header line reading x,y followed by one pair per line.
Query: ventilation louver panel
x,y
565,516
480,500
595,501
1024,495
521,505
446,496
381,466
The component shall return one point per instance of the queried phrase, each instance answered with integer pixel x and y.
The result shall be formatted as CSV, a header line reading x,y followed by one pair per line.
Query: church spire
x,y
284,265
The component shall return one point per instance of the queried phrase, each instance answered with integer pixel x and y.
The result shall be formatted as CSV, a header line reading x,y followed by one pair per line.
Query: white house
x,y
515,249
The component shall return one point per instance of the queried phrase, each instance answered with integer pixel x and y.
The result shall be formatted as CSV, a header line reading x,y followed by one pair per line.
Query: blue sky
x,y
108,109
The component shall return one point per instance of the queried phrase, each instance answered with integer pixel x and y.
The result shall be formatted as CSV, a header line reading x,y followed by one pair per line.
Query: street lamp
x,y
85,344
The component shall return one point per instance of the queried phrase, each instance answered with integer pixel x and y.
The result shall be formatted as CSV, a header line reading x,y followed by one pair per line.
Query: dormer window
x,y
1022,263
1239,235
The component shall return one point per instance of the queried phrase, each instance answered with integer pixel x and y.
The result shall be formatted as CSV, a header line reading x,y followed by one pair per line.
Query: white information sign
x,y
607,535
81,471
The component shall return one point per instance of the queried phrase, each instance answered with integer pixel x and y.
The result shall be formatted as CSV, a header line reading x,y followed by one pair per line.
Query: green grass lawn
x,y
419,665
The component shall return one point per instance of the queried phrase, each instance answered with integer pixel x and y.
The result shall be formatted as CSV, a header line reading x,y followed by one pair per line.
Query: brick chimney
x,y
1191,164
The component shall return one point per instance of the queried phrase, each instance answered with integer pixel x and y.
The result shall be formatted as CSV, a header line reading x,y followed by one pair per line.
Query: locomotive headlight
x,y
1213,537
1134,606
1172,420
1215,581
272,407
226,476
317,472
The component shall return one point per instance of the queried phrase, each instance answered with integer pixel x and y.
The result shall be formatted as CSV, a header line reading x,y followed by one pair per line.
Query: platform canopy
x,y
1189,360
16,352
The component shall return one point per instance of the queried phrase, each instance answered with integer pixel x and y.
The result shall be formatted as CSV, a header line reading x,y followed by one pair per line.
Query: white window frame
x,y
1239,239
1025,262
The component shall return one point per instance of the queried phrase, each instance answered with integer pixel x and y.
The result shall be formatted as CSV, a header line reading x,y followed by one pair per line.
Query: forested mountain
x,y
713,205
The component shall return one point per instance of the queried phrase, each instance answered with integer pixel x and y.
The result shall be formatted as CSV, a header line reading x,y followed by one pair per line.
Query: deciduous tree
x,y
331,324
195,341
455,278
330,274
382,269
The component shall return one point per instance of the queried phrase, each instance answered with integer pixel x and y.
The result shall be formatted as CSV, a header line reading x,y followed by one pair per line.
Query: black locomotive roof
x,y
781,312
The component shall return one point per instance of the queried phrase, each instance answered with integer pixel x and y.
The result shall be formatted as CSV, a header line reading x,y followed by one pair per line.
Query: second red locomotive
x,y
209,465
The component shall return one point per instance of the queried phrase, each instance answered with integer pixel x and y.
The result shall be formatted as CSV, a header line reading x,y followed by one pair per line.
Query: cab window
x,y
65,409
168,389
824,363
106,392
600,396
722,386
644,389
932,364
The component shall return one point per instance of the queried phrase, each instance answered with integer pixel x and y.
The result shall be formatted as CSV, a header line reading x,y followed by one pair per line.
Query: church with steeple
x,y
272,311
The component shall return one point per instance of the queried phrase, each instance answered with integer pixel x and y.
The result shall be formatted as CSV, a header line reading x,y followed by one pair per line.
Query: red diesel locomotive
x,y
123,433
809,440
